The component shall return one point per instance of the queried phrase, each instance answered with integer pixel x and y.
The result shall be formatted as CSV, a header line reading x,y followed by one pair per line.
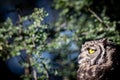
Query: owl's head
x,y
97,59
96,52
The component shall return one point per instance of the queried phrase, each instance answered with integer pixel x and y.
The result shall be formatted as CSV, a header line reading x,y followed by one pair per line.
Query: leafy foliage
x,y
29,35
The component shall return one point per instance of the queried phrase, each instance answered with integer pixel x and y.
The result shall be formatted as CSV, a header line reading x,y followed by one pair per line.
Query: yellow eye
x,y
91,51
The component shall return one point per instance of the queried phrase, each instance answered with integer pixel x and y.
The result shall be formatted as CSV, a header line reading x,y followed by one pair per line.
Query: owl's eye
x,y
91,51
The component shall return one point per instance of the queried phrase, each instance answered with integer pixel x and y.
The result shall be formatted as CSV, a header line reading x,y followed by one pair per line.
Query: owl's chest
x,y
86,72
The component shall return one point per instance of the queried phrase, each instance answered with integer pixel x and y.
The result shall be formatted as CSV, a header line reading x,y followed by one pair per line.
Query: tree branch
x,y
47,72
98,18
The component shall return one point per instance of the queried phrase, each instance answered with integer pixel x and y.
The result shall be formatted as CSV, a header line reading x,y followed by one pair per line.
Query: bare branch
x,y
98,18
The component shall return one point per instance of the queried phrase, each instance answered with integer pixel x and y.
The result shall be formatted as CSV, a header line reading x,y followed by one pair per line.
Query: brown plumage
x,y
99,60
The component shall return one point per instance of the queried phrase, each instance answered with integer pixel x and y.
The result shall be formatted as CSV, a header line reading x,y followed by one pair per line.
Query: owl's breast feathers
x,y
95,72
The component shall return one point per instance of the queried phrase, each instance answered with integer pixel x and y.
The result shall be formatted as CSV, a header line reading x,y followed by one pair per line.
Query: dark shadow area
x,y
14,8
5,73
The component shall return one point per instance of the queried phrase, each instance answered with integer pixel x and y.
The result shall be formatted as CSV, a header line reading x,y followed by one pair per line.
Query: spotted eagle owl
x,y
99,60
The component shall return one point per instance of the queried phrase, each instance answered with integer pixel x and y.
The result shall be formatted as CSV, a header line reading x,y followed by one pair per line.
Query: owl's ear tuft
x,y
105,40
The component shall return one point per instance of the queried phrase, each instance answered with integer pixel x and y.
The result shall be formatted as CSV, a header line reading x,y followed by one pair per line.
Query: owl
x,y
99,60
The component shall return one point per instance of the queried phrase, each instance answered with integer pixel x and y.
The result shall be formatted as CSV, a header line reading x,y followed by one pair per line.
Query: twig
x,y
47,72
98,18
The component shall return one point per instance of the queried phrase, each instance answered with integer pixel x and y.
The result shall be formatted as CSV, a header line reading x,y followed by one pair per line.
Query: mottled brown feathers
x,y
99,60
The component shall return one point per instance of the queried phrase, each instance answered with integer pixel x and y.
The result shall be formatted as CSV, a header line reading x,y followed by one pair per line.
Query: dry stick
x,y
34,74
30,70
33,71
98,18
